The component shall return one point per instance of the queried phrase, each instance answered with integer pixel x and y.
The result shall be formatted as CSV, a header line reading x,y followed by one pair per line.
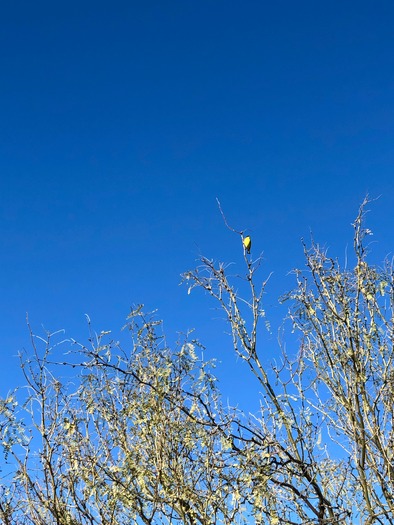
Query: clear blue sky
x,y
122,121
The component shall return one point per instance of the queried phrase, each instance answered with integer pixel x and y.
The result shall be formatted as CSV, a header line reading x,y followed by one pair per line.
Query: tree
x,y
142,435
133,437
328,414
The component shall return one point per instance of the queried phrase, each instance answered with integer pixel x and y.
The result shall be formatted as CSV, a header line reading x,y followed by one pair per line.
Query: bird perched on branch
x,y
247,242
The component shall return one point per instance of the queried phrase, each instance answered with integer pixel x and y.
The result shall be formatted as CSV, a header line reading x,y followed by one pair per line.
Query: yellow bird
x,y
247,241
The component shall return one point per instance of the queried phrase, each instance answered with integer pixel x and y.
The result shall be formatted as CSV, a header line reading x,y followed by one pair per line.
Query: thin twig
x,y
225,220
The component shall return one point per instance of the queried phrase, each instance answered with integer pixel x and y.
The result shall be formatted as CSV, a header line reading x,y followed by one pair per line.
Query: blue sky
x,y
121,122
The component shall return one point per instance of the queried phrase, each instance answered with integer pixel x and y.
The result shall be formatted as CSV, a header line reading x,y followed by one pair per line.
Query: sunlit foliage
x,y
140,434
